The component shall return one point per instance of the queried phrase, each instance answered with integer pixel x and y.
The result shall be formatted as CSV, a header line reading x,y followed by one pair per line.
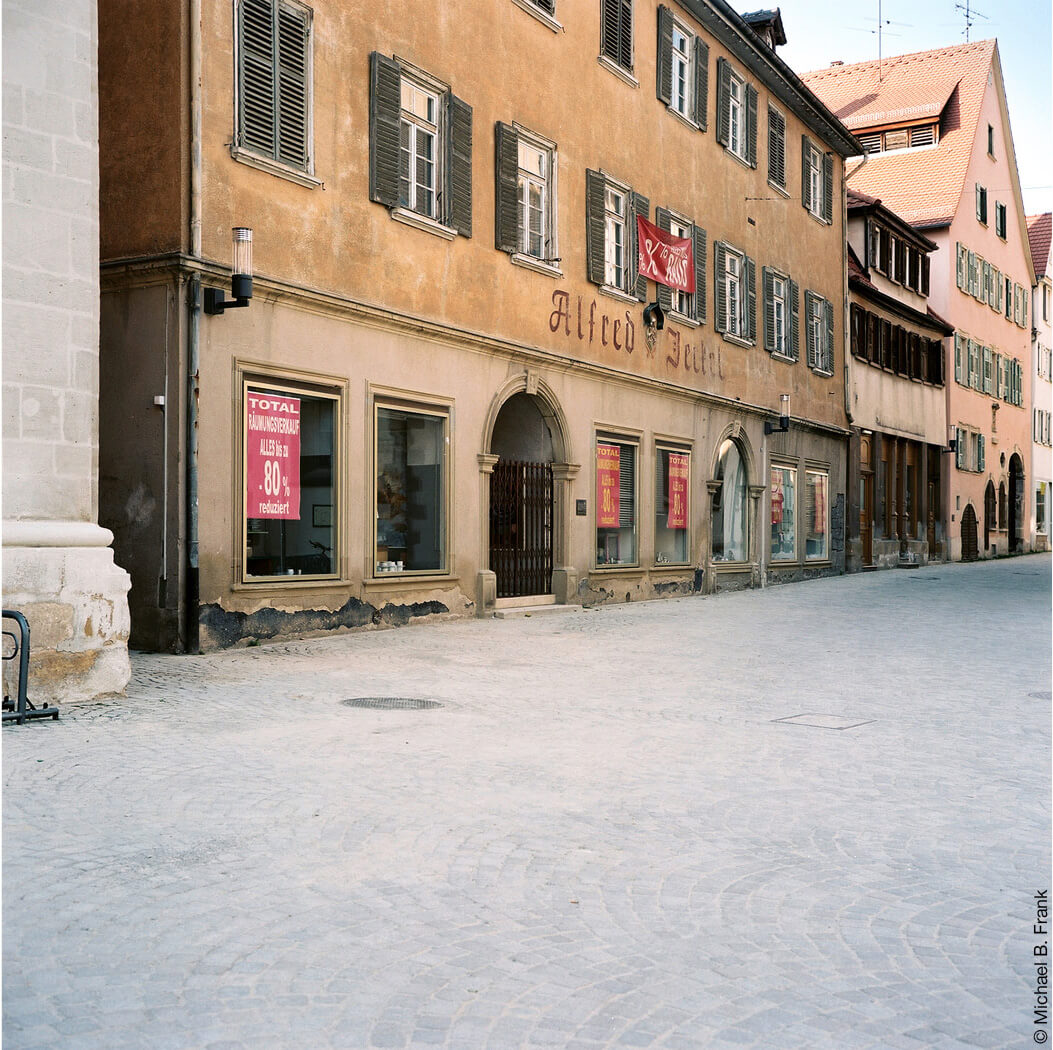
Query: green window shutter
x,y
776,147
828,187
957,357
459,168
959,450
385,104
806,181
595,228
641,206
723,101
663,220
960,267
978,201
749,276
751,125
294,29
664,75
998,375
1024,295
987,369
720,292
828,324
981,452
701,82
257,117
795,322
698,238
768,284
506,188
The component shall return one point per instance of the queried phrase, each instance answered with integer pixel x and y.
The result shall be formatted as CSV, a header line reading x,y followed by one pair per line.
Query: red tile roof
x,y
1040,233
924,185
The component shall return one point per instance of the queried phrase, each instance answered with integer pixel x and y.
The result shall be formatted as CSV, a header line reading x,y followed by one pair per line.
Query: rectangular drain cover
x,y
838,722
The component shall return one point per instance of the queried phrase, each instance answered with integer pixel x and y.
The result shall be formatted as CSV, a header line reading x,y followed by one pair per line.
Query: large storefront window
x,y
1040,507
671,506
730,502
817,519
411,491
615,503
783,514
290,512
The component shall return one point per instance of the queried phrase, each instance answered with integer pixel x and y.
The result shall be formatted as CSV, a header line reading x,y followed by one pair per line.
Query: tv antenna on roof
x,y
970,14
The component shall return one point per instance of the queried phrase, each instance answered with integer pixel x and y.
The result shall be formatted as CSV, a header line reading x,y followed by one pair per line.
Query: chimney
x,y
837,62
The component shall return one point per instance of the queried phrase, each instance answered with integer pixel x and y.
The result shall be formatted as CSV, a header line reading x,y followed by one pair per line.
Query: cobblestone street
x,y
814,816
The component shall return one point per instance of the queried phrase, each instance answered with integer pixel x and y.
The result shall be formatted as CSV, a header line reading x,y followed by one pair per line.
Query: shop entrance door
x,y
521,528
866,517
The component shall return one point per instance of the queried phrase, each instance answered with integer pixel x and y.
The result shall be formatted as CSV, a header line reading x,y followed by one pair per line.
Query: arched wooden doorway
x,y
970,552
990,522
1016,501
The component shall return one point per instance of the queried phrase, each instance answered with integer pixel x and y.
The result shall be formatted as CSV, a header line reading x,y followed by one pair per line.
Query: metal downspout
x,y
845,175
193,335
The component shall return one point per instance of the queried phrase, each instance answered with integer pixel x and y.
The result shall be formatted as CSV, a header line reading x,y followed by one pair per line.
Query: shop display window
x,y
729,529
615,503
817,516
290,489
783,514
672,488
410,491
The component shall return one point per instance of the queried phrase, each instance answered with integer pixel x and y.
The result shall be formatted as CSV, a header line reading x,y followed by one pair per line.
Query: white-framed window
x,y
816,515
681,71
1000,219
525,198
817,181
819,322
418,148
616,500
783,496
736,117
780,314
273,54
683,303
291,493
611,208
616,238
672,505
735,284
1041,498
533,198
733,292
686,306
736,113
981,204
410,465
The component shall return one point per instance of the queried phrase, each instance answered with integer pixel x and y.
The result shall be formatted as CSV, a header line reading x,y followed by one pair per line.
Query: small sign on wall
x,y
581,508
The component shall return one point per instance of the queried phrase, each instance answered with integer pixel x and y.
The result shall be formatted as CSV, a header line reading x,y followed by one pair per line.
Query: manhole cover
x,y
838,722
1040,695
391,703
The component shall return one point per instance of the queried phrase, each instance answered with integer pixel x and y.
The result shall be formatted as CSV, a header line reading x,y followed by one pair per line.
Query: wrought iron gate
x,y
521,528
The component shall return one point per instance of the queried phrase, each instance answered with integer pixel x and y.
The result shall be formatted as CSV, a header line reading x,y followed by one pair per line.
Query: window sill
x,y
617,570
274,167
732,566
686,121
542,16
823,222
408,579
738,157
617,293
781,190
822,372
422,222
736,339
622,74
776,356
530,262
282,583
672,568
683,319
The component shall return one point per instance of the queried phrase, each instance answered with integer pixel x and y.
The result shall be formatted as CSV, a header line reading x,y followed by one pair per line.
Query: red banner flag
x,y
608,485
677,491
664,258
272,456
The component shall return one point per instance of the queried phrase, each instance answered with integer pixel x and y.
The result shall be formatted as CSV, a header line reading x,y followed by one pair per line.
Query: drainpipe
x,y
845,175
193,334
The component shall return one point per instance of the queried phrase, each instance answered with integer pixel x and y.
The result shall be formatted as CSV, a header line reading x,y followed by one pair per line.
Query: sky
x,y
819,32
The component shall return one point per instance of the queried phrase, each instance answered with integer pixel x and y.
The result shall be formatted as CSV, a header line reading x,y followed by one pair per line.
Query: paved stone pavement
x,y
604,837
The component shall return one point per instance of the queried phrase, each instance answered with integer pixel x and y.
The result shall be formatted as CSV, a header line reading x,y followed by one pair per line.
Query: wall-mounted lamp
x,y
952,438
654,315
784,417
241,279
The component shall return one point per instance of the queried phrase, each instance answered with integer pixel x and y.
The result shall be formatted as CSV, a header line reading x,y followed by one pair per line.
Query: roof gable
x,y
1039,235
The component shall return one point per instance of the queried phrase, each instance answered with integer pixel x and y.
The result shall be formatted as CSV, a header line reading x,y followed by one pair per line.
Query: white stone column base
x,y
76,602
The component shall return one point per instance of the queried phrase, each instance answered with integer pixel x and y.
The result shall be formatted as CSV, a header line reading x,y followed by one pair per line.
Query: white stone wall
x,y
57,567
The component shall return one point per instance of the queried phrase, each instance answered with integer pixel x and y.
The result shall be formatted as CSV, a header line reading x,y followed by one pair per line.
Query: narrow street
x,y
814,816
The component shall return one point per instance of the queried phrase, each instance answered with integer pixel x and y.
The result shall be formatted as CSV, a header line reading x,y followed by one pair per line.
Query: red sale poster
x,y
677,491
608,485
272,451
664,257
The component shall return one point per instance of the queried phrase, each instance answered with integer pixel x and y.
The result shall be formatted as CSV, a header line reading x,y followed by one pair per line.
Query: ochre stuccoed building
x,y
940,155
443,396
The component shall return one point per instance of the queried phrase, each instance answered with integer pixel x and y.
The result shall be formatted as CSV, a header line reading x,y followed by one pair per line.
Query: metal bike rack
x,y
21,710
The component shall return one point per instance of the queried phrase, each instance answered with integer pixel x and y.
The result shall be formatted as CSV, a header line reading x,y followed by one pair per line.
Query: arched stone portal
x,y
970,551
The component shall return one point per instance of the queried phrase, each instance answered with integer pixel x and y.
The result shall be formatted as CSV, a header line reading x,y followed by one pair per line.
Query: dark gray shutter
x,y
806,182
663,220
459,167
720,292
723,101
768,282
795,321
664,77
256,114
809,329
751,125
641,206
506,188
828,319
749,274
701,82
595,227
828,187
776,147
626,486
698,238
925,278
293,34
616,32
385,104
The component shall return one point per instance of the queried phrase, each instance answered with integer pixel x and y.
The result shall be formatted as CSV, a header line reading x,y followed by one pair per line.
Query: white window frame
x,y
737,115
418,129
623,440
795,556
681,100
616,236
549,256
734,294
683,303
822,473
817,200
780,297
